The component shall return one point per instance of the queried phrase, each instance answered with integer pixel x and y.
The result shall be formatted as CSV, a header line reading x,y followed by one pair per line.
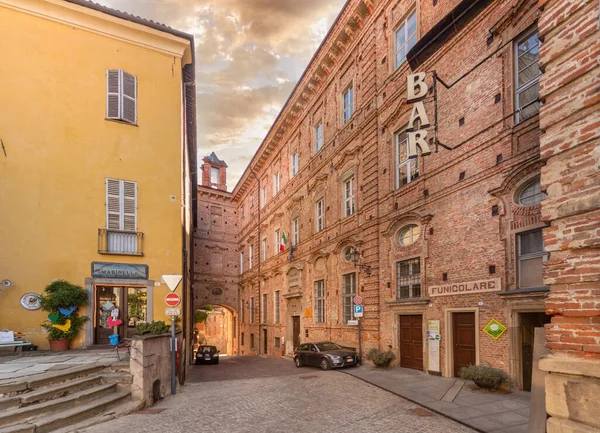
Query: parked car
x,y
207,355
324,354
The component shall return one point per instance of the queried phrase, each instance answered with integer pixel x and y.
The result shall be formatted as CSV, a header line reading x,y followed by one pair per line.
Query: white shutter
x,y
113,204
113,94
129,97
129,206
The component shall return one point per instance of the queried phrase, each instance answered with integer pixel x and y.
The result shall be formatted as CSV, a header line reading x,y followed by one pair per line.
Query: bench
x,y
17,345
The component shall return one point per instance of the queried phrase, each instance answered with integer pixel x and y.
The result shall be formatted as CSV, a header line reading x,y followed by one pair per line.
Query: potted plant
x,y
61,300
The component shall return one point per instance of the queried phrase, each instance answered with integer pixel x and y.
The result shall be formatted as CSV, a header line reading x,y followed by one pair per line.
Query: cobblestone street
x,y
287,399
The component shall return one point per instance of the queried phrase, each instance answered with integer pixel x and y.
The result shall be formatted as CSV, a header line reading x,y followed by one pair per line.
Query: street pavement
x,y
255,394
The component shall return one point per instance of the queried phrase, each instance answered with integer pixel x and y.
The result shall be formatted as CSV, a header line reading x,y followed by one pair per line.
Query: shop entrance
x,y
528,323
463,334
131,304
411,342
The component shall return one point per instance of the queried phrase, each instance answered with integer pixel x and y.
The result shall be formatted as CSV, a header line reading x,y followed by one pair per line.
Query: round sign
x,y
172,299
31,301
357,300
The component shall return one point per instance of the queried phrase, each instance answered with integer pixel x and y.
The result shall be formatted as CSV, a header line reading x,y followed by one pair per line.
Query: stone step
x,y
122,409
58,390
31,412
70,416
120,377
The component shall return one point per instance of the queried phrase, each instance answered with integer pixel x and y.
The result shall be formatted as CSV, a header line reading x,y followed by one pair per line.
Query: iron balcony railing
x,y
120,242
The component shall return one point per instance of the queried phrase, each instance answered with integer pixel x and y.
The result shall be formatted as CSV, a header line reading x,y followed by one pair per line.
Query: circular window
x,y
347,254
409,234
531,194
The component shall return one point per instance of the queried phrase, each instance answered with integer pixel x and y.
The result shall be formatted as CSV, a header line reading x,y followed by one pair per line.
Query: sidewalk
x,y
457,399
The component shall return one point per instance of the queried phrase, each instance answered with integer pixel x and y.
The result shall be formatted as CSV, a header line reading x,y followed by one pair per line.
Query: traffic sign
x,y
357,300
352,322
173,311
172,281
172,299
358,311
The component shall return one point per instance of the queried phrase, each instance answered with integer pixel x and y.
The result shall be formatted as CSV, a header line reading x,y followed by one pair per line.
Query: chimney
x,y
214,172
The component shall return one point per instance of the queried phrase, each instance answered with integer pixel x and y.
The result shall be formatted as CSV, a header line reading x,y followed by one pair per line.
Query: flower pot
x,y
59,345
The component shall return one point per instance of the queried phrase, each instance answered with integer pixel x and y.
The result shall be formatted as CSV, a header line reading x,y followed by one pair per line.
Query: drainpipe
x,y
259,259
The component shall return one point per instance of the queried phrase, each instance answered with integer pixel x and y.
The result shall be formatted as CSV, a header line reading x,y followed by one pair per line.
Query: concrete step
x,y
120,377
34,411
77,414
58,390
122,409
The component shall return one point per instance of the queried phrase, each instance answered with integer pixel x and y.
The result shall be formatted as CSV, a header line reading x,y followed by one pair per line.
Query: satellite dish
x,y
6,283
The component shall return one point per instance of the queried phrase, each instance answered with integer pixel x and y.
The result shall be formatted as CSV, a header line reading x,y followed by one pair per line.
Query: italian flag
x,y
283,242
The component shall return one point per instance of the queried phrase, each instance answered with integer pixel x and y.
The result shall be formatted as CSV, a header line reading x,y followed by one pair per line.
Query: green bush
x,y
380,358
201,315
484,376
62,294
153,328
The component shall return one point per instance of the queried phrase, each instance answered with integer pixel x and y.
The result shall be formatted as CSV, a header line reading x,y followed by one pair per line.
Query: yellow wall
x,y
60,149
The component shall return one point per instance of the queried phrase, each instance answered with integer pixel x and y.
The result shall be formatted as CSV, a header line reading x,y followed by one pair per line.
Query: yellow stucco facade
x,y
60,149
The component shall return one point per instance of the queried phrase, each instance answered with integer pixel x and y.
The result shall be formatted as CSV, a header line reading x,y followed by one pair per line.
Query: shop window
x,y
408,275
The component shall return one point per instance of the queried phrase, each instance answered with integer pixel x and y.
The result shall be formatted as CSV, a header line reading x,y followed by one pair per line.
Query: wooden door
x,y
464,340
411,342
296,331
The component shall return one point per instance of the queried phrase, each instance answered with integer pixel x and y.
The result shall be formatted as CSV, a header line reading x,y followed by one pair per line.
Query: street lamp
x,y
357,262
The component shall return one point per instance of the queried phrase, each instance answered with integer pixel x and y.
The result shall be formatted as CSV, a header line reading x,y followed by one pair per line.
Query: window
x,y
263,197
251,341
250,256
531,256
320,209
264,310
214,176
252,309
121,96
347,254
276,183
242,262
294,164
349,197
277,342
264,250
278,244
406,37
319,136
276,307
348,293
319,301
408,278
295,232
407,170
348,104
409,234
242,313
531,194
251,201
121,216
242,339
527,75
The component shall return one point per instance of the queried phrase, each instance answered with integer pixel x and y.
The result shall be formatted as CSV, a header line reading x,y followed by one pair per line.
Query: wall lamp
x,y
356,259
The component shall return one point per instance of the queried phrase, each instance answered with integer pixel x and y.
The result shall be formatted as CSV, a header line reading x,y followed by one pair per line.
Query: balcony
x,y
120,242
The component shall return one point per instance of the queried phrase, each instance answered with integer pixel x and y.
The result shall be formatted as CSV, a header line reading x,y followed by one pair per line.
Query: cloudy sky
x,y
249,55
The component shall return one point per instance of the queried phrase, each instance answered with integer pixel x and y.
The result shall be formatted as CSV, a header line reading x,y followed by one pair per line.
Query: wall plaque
x,y
466,288
119,270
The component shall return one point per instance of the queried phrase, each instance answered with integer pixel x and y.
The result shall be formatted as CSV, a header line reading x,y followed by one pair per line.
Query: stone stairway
x,y
66,400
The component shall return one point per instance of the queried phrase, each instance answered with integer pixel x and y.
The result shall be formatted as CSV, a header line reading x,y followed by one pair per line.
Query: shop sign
x,y
416,90
119,270
494,329
480,286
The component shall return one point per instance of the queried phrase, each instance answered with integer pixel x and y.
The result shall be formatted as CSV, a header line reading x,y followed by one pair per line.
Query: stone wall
x,y
150,362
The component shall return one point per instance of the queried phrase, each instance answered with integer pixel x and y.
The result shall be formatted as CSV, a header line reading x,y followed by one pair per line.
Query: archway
x,y
216,325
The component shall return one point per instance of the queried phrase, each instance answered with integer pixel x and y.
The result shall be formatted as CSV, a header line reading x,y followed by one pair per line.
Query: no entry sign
x,y
172,299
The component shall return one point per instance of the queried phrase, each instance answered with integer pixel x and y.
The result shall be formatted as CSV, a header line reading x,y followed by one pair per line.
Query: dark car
x,y
324,354
207,355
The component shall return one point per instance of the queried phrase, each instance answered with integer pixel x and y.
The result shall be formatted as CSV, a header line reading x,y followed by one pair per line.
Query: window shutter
x,y
129,206
129,95
113,94
113,204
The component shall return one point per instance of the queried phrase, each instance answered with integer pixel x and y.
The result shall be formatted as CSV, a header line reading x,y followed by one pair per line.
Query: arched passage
x,y
216,325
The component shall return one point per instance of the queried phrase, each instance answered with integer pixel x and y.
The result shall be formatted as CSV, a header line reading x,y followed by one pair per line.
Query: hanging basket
x,y
59,345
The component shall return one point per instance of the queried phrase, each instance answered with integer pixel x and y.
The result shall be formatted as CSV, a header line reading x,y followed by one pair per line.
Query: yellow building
x,y
97,163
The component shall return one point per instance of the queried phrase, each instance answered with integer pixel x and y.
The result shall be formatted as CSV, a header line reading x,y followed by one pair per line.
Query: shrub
x,y
380,358
153,328
61,294
484,376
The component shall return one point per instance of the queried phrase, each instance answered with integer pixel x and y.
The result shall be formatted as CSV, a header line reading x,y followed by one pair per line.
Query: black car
x,y
207,355
324,354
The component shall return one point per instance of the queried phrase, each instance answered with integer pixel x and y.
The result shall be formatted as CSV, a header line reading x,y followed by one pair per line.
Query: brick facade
x,y
469,222
570,118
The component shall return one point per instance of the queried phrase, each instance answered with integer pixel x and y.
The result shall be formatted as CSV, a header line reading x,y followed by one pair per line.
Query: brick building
x,y
439,246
